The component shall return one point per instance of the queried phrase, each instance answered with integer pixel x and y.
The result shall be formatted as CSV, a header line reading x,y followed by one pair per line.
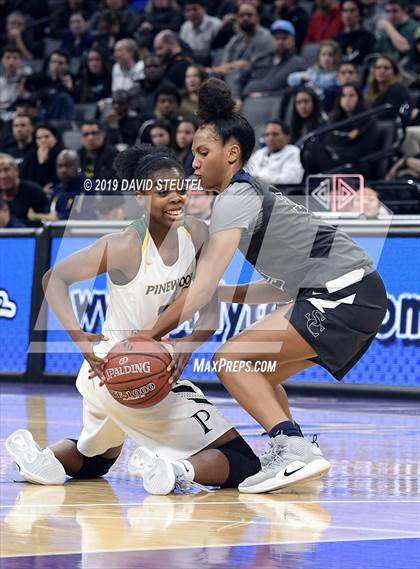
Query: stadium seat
x,y
71,139
35,65
86,112
309,52
50,45
401,196
258,111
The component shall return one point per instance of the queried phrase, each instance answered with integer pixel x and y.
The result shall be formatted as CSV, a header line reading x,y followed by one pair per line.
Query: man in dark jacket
x,y
96,157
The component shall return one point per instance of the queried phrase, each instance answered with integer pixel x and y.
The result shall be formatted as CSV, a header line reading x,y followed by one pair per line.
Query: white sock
x,y
186,468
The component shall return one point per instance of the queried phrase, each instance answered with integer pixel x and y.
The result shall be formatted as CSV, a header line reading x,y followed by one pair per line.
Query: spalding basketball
x,y
136,374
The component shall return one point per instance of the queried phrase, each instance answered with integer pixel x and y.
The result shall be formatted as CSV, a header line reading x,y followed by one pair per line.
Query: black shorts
x,y
340,332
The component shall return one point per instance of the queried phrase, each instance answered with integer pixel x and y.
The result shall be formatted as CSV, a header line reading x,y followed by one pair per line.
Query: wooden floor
x,y
365,514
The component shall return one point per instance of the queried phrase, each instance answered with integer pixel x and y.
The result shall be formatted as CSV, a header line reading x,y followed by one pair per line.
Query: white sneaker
x,y
141,461
36,465
160,476
289,460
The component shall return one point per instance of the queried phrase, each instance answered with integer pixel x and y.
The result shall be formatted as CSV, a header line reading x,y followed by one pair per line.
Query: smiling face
x,y
212,158
165,202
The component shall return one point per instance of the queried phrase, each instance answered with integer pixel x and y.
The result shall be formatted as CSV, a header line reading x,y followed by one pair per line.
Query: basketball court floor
x,y
365,514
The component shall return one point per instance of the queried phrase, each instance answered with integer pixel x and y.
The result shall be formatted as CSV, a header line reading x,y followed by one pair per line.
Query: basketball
x,y
136,374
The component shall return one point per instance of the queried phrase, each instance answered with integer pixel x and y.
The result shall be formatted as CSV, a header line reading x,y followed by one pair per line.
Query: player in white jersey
x,y
147,265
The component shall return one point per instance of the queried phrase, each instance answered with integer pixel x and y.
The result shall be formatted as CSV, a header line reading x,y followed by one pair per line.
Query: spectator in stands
x,y
373,10
347,73
78,38
372,207
61,15
279,161
405,168
109,31
18,36
250,46
410,65
283,62
291,11
40,164
325,22
323,74
355,42
385,84
127,68
12,73
8,221
20,194
199,29
21,143
357,140
58,70
396,32
199,203
194,77
127,18
96,157
142,96
167,47
159,16
307,114
168,101
53,103
27,105
94,82
70,184
123,123
183,140
110,208
161,133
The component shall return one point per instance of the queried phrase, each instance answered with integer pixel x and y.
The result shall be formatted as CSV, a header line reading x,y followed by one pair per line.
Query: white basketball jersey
x,y
138,303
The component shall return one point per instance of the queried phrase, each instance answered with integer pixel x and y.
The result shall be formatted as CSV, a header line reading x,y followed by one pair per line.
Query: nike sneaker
x,y
160,476
289,460
36,465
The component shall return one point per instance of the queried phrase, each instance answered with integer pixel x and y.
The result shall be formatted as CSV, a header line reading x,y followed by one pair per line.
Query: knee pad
x,y
93,466
243,462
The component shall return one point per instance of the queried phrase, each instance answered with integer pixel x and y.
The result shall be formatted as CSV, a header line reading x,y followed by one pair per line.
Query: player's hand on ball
x,y
181,355
85,342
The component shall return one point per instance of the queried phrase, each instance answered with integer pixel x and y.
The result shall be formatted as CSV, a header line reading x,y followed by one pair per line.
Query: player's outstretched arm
x,y
211,266
106,254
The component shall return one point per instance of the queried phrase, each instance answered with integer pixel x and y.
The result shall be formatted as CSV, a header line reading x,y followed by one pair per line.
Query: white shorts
x,y
182,424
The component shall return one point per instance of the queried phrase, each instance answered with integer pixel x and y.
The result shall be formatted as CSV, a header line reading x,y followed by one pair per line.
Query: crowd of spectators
x,y
80,80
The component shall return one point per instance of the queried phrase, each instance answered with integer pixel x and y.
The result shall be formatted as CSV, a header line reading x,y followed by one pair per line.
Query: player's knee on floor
x,y
243,462
94,466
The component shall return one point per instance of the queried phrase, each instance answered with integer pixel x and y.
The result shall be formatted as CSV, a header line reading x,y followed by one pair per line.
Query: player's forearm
x,y
398,40
57,295
183,308
207,323
260,292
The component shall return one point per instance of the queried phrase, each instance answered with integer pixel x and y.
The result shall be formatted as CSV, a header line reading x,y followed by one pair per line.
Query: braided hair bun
x,y
215,101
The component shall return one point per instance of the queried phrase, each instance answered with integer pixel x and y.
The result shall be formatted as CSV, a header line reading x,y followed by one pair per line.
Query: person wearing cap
x,y
355,42
283,61
298,16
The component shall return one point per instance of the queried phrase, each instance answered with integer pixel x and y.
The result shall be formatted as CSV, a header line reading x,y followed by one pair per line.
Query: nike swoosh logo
x,y
313,292
293,471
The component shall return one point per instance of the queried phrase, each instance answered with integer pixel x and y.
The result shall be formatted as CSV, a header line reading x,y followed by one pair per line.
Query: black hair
x,y
11,49
216,108
300,126
282,124
23,116
165,125
358,3
338,112
47,126
202,3
60,52
168,90
144,161
403,4
91,122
